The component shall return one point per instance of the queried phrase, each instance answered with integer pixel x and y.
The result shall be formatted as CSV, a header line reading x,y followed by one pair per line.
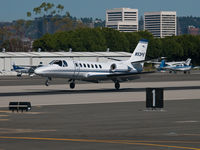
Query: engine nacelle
x,y
119,67
113,67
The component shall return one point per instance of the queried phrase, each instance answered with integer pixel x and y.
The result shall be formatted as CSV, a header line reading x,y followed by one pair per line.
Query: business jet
x,y
117,71
183,66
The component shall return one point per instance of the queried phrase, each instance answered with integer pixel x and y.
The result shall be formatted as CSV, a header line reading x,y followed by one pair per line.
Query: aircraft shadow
x,y
59,92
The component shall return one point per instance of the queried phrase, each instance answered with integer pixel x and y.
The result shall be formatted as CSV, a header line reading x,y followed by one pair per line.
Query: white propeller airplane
x,y
117,71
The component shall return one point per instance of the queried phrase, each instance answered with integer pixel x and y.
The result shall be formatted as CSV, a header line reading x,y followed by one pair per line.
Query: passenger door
x,y
76,69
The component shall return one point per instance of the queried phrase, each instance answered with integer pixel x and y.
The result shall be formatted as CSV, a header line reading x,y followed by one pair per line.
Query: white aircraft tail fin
x,y
139,52
187,62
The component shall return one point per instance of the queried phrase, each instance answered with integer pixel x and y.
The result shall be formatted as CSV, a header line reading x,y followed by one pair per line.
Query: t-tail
x,y
139,53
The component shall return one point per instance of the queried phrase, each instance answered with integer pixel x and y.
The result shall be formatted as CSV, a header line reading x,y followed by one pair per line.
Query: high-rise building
x,y
122,19
160,24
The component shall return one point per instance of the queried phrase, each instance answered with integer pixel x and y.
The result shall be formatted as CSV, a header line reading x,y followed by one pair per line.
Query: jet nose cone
x,y
38,71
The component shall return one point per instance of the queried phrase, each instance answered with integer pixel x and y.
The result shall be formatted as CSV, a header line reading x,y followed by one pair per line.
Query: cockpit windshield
x,y
61,63
64,63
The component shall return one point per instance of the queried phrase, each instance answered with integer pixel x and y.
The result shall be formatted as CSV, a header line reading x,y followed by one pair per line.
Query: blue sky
x,y
16,9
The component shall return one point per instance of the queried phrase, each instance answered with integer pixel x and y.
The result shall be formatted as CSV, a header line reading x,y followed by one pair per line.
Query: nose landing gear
x,y
47,81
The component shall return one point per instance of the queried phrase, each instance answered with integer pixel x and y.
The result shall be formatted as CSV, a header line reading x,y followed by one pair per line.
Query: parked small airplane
x,y
117,71
183,66
25,69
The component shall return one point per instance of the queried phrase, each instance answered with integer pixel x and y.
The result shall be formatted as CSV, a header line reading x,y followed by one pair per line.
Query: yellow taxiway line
x,y
141,143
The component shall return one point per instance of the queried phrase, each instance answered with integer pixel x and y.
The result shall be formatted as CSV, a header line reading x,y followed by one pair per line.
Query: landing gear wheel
x,y
47,83
117,85
72,85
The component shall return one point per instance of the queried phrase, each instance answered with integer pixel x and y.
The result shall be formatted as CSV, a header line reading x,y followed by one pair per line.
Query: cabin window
x,y
100,66
76,64
65,63
84,65
88,65
96,66
92,65
80,65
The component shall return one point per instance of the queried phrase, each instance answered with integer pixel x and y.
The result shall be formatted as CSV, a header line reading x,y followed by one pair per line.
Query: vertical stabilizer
x,y
139,52
187,62
162,64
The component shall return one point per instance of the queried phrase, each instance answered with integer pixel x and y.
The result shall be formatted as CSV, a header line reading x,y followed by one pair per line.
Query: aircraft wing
x,y
196,67
127,76
146,61
25,66
113,59
94,77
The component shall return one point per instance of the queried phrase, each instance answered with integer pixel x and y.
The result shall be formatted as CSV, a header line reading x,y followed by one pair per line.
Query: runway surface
x,y
112,126
96,116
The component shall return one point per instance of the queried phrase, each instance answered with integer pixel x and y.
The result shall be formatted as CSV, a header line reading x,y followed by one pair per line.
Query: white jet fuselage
x,y
79,70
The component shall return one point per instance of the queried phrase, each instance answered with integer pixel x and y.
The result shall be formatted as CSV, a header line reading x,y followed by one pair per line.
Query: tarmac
x,y
96,116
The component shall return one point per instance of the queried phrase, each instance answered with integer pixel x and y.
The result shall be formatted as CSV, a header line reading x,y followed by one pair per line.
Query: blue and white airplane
x,y
117,71
24,69
183,66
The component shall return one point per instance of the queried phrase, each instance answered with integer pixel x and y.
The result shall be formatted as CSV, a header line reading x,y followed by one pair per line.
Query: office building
x,y
160,24
122,19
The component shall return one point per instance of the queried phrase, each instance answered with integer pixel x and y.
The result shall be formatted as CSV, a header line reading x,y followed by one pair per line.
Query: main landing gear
x,y
185,72
117,85
72,84
47,81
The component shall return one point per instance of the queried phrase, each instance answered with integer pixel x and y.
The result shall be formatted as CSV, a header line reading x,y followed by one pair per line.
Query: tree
x,y
5,34
48,12
99,39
